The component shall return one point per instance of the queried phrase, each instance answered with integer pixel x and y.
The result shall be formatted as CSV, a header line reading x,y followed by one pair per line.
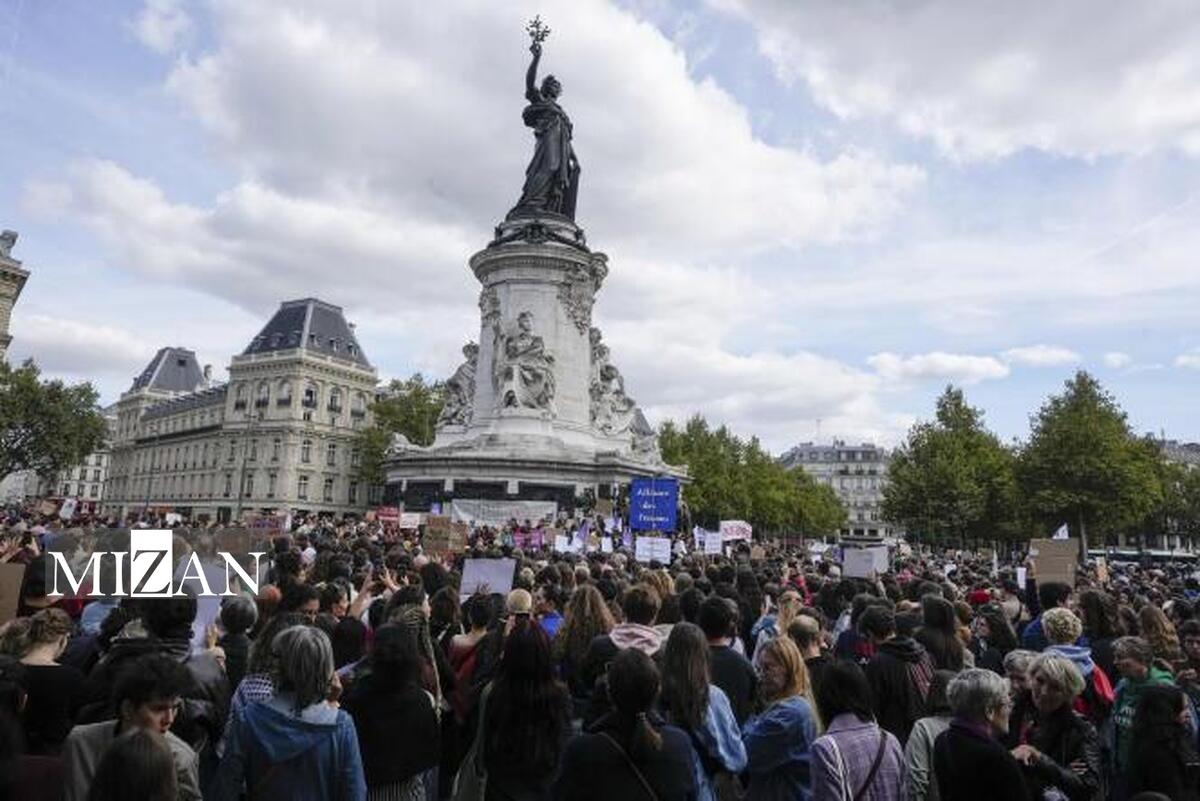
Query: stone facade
x,y
857,474
12,281
277,438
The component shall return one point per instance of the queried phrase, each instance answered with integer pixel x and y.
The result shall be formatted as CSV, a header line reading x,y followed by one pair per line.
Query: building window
x,y
355,457
359,408
329,490
284,394
271,485
248,485
93,491
253,450
306,451
228,485
66,490
331,454
239,397
352,494
232,451
264,396
310,396
335,400
276,446
302,488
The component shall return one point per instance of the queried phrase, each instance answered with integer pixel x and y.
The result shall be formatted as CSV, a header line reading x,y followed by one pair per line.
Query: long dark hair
x,y
1000,632
939,634
1101,618
395,659
633,683
844,689
1156,722
685,676
526,711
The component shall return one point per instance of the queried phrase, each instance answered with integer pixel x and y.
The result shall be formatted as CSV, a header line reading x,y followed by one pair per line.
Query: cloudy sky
x,y
816,213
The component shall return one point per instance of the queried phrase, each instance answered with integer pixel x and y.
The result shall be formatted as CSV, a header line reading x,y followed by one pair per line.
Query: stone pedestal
x,y
537,402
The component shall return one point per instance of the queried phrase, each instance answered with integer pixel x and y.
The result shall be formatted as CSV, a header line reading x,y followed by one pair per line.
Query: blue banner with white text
x,y
652,504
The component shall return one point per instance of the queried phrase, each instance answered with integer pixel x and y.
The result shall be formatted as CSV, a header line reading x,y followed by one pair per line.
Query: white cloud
x,y
1040,356
1077,77
937,365
162,24
1116,359
76,347
1191,359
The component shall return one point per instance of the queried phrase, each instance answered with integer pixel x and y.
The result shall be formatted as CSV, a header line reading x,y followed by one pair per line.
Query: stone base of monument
x,y
538,409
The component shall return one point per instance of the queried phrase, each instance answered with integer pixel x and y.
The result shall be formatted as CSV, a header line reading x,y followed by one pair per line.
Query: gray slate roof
x,y
310,324
205,398
171,370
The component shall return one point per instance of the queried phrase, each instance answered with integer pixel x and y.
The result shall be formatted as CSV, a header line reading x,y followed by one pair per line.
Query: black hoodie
x,y
899,675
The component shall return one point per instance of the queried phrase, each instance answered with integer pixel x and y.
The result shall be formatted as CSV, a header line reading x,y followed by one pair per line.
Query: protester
x,y
629,754
899,674
1016,670
855,758
1062,629
586,619
1101,626
920,784
1062,751
969,762
1048,596
1134,660
238,616
938,634
1156,629
992,638
789,606
53,691
394,757
138,765
805,631
147,694
691,702
779,740
731,671
295,745
548,604
639,606
1162,754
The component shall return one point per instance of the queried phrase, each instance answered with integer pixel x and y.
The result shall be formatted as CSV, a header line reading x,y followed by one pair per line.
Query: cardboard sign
x,y
653,549
758,552
460,531
604,507
1055,560
10,590
47,508
1102,569
437,534
487,575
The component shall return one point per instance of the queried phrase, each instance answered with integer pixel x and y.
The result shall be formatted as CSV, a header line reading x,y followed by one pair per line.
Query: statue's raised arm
x,y
531,91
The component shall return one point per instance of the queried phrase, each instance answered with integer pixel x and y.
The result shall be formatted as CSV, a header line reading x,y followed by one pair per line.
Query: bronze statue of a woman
x,y
552,178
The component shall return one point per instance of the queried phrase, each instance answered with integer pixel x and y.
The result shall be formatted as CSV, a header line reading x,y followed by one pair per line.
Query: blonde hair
x,y
1059,671
1158,630
1061,626
790,605
784,650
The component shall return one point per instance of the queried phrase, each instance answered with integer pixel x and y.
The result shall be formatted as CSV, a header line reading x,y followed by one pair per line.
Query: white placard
x,y
858,563
606,544
562,543
495,574
1021,577
409,521
713,542
651,549
736,530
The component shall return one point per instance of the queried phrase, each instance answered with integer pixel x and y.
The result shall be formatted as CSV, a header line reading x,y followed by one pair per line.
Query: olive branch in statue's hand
x,y
538,32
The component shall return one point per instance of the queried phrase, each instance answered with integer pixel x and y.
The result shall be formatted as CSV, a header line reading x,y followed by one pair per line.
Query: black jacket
x,y
1155,767
734,674
205,703
593,770
972,767
392,753
899,675
1064,738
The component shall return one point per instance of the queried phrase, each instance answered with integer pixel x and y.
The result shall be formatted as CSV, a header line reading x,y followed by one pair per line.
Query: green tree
x,y
1083,465
952,477
734,479
45,426
1179,512
408,407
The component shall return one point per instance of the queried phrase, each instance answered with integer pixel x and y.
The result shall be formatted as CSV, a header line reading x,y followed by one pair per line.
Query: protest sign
x,y
410,520
1055,560
459,533
11,576
652,504
563,544
653,549
437,534
736,530
758,552
606,545
387,514
858,563
47,508
713,542
604,507
1021,577
487,575
67,510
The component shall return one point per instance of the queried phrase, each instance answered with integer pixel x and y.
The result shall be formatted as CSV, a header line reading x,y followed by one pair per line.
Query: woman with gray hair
x,y
969,761
297,744
1062,751
1016,670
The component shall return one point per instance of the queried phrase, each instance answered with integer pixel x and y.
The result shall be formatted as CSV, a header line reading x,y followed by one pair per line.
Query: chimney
x,y
353,327
207,374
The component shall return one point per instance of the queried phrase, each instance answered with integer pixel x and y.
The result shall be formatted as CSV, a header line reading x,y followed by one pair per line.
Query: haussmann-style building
x,y
278,438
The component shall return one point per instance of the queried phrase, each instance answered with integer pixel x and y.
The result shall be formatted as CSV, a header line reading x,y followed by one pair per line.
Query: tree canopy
x,y
1083,465
409,407
733,479
952,477
45,426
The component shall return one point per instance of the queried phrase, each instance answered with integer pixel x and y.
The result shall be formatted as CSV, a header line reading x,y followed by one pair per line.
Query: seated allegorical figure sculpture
x,y
524,374
460,390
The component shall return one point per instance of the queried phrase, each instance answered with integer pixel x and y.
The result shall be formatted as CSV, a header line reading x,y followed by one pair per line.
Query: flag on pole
x,y
1061,533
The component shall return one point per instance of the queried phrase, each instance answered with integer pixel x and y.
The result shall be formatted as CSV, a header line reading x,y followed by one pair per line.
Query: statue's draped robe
x,y
552,178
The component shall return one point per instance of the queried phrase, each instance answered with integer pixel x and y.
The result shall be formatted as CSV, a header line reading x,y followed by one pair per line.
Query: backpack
x,y
1096,700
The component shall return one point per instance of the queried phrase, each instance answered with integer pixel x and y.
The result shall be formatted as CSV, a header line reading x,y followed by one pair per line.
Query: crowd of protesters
x,y
360,670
